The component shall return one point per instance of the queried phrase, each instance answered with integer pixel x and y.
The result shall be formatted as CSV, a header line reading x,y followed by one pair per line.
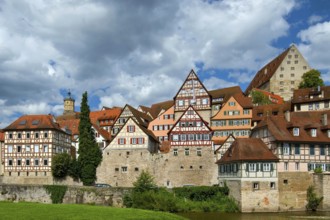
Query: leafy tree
x,y
311,79
74,169
90,155
259,98
312,199
144,182
60,165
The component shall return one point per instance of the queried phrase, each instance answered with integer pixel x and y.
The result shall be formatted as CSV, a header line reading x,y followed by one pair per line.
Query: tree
x,y
60,165
311,79
144,182
90,155
259,98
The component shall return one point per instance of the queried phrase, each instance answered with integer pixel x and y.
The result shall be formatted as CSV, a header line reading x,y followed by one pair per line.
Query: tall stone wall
x,y
73,195
292,188
322,188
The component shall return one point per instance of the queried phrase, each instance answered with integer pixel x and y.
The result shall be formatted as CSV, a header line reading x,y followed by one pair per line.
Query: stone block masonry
x,y
73,195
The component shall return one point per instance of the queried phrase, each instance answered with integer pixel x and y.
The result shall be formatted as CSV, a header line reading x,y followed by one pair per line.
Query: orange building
x,y
162,124
233,118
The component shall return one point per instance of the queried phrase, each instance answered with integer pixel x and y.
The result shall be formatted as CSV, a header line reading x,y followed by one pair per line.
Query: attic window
x,y
22,122
295,131
313,132
35,122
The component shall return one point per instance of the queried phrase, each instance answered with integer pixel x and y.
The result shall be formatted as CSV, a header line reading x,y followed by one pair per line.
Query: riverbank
x,y
38,211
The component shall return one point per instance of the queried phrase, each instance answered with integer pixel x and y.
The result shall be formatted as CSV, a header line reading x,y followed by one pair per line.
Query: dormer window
x,y
313,132
295,131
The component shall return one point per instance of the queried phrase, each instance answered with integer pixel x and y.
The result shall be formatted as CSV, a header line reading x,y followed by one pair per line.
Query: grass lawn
x,y
40,211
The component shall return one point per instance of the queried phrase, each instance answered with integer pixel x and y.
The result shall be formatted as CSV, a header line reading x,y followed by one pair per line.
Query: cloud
x,y
241,77
315,45
136,52
314,19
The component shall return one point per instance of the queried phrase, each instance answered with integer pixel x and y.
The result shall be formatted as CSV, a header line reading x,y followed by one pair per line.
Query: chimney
x,y
324,119
287,116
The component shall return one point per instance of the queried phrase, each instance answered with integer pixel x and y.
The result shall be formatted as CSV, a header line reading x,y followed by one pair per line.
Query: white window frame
x,y
186,151
296,131
266,167
252,167
175,152
313,132
286,149
181,103
175,137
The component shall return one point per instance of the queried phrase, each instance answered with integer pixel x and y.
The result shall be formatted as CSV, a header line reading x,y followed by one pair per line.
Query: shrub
x,y
56,192
200,193
318,170
144,182
312,199
60,165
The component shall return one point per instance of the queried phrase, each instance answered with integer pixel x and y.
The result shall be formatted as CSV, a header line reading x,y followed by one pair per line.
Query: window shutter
x,y
142,140
131,140
247,167
133,128
127,128
271,167
118,141
262,167
125,141
257,166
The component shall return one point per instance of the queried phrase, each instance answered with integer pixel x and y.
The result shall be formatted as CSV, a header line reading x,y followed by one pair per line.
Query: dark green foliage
x,y
90,155
74,169
318,170
312,199
144,182
56,192
60,165
259,98
311,79
200,193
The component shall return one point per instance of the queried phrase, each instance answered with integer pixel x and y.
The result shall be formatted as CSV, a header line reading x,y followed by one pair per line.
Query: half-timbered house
x,y
30,143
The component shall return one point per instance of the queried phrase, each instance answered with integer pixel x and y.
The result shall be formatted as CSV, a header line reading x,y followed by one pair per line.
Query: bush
x,y
200,193
56,193
312,199
60,165
318,170
144,182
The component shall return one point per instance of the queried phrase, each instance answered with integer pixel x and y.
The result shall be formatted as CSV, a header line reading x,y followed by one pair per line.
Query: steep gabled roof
x,y
2,136
304,95
187,78
248,149
225,93
34,122
71,124
224,141
245,102
106,135
158,107
261,111
281,129
266,72
179,119
108,113
142,119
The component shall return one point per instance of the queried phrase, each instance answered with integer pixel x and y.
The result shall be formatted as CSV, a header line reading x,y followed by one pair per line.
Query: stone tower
x,y
68,105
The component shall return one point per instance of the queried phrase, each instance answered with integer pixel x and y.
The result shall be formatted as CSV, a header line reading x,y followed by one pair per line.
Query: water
x,y
256,216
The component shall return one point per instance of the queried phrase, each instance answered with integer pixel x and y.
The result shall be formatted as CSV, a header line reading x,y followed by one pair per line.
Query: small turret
x,y
68,105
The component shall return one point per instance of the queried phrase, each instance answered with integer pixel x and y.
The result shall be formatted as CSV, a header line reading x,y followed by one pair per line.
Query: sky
x,y
139,52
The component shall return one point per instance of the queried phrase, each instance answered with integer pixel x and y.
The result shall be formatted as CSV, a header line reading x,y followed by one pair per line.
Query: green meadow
x,y
36,211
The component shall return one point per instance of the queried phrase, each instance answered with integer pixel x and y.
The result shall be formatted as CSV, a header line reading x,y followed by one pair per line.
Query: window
x,y
116,169
205,101
295,131
19,135
10,149
186,151
246,111
45,135
183,137
311,149
231,103
317,106
130,128
281,75
297,149
289,56
36,162
36,148
304,67
45,162
255,186
313,132
286,166
266,166
292,68
288,62
206,137
28,135
175,137
296,62
292,74
155,127
45,148
123,169
296,56
322,150
10,162
175,152
36,135
191,137
19,149
136,169
292,82
121,141
27,162
133,140
281,83
10,136
286,149
326,104
252,167
199,152
181,102
141,140
27,148
272,185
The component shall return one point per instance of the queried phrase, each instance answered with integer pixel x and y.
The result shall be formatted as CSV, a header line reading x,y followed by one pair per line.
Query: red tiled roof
x,y
276,99
260,112
248,149
142,119
281,129
304,95
106,113
156,108
106,135
34,122
2,136
225,93
245,102
266,72
71,124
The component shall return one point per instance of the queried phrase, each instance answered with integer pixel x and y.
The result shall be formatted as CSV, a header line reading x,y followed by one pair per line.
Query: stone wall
x,y
322,188
73,195
293,190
